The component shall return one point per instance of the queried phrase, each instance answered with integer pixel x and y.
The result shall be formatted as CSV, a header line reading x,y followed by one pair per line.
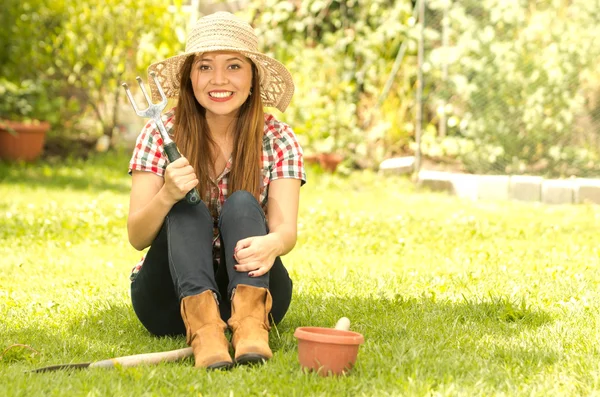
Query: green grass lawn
x,y
452,297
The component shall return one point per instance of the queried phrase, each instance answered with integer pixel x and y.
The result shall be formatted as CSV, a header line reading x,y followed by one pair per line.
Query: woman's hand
x,y
256,255
180,178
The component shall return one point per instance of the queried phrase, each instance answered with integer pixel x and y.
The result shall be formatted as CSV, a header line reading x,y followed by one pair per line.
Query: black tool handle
x,y
192,197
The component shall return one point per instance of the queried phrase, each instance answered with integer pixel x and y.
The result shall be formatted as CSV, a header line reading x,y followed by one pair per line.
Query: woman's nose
x,y
219,77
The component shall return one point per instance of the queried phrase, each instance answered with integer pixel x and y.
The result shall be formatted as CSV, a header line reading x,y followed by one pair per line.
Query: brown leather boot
x,y
206,331
250,308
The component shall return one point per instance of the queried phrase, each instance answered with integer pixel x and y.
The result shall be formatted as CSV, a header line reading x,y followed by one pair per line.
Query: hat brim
x,y
276,84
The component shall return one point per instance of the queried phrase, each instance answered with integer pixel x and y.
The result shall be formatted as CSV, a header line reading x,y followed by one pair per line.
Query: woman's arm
x,y
147,209
152,198
256,255
282,207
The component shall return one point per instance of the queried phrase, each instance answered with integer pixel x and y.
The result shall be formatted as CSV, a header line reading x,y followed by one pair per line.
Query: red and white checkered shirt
x,y
281,158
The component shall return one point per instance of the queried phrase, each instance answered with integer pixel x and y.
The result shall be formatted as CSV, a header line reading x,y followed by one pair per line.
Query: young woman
x,y
218,261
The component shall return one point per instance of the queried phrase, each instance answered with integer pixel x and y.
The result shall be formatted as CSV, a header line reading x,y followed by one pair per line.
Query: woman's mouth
x,y
220,96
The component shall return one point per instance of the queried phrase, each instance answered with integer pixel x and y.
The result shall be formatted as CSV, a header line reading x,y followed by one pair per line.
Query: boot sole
x,y
250,358
221,365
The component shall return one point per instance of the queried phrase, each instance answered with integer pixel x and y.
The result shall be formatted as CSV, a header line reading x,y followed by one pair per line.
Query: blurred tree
x,y
514,81
341,53
519,76
82,51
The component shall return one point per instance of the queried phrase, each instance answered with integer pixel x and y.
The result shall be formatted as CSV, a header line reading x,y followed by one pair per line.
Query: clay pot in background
x,y
328,161
25,142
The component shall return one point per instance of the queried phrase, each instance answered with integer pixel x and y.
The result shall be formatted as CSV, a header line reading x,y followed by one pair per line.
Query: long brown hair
x,y
192,136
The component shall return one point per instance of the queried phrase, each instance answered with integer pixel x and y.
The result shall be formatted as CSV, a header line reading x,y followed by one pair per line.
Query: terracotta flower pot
x,y
327,351
330,161
25,143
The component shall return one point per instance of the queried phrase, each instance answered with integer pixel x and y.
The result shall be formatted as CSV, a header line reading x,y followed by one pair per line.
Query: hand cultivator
x,y
154,111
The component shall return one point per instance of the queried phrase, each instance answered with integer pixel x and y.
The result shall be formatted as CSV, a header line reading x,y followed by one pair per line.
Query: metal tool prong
x,y
143,87
160,89
130,97
154,110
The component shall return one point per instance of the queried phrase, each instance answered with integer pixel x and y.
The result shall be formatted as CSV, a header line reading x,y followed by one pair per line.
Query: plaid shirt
x,y
281,158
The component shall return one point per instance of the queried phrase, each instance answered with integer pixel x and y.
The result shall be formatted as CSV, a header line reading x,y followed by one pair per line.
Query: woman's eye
x,y
235,66
204,67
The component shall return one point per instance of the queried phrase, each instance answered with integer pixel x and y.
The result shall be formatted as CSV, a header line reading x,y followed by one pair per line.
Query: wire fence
x,y
512,86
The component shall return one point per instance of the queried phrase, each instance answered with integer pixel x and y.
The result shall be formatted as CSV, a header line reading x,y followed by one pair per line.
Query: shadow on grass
x,y
412,337
384,317
403,337
101,172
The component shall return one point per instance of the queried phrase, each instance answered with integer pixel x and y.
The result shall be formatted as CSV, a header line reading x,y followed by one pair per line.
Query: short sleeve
x,y
288,159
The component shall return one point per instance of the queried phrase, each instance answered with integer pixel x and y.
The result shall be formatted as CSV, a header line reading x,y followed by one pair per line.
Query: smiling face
x,y
221,82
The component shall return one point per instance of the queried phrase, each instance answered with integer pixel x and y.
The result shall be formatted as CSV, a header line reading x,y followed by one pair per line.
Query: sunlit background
x,y
509,86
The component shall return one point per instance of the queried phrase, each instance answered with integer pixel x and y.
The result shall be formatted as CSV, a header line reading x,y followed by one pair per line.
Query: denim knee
x,y
184,213
240,204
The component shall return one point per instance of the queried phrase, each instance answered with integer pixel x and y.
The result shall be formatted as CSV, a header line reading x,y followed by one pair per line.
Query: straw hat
x,y
223,31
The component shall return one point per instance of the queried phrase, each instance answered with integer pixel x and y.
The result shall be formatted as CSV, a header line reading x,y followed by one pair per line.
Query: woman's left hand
x,y
256,255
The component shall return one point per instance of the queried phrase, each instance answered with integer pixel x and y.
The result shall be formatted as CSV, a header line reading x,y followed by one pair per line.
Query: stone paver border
x,y
515,187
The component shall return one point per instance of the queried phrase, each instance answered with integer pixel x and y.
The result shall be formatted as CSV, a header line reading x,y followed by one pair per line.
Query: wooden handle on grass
x,y
343,324
147,358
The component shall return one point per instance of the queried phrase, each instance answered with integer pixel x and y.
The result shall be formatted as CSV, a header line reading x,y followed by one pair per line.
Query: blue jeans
x,y
180,263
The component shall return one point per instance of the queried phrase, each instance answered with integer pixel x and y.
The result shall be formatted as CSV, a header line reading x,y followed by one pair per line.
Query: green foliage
x,y
518,83
521,94
23,90
82,51
324,113
454,298
26,101
29,93
340,54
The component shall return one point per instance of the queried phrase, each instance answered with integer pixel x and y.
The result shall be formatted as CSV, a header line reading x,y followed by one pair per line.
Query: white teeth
x,y
220,94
